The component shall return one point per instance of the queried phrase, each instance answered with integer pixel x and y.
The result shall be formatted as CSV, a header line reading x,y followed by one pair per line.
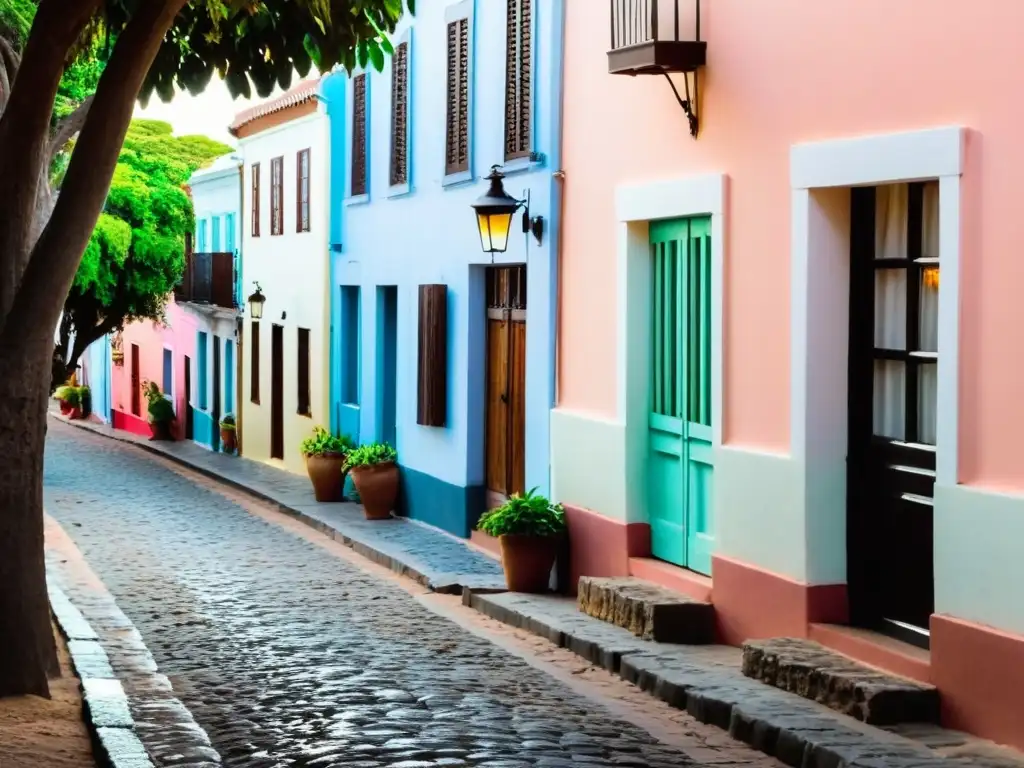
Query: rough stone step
x,y
647,610
840,683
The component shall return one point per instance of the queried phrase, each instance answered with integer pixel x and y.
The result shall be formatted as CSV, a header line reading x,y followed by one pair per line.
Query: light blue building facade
x,y
472,84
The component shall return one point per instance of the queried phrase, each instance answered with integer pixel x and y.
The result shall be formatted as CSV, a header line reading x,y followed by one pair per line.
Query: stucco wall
x,y
428,235
292,269
779,74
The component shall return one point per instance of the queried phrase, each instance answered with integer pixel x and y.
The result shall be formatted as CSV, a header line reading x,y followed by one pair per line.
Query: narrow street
x,y
289,654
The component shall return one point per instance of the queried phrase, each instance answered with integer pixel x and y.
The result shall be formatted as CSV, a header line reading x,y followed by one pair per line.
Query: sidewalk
x,y
432,557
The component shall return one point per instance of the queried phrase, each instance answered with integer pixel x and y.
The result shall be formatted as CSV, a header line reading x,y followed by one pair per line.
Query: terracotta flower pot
x,y
75,413
325,472
65,409
227,440
160,430
527,561
377,485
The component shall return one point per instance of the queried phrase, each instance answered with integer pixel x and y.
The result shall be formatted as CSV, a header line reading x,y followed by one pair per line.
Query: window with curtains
x,y
906,312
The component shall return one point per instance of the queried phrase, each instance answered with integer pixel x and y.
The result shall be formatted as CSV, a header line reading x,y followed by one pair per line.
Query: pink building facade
x,y
783,369
159,353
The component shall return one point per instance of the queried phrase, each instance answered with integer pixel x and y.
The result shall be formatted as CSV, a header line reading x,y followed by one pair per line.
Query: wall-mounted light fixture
x,y
256,302
494,212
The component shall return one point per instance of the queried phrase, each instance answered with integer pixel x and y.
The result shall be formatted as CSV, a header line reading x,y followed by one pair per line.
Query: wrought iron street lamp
x,y
256,302
494,213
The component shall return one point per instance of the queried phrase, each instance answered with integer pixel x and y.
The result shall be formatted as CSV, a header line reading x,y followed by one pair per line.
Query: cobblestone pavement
x,y
290,656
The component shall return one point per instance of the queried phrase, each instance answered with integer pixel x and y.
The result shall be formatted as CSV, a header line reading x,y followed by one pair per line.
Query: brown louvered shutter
x,y
277,196
519,79
457,134
254,363
302,191
400,115
255,199
303,373
358,136
432,364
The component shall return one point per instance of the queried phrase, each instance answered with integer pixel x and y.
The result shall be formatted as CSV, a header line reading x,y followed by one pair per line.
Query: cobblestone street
x,y
288,655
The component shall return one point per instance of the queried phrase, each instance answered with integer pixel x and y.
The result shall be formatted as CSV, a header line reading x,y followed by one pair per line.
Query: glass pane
x,y
890,397
891,221
929,310
891,308
930,221
927,401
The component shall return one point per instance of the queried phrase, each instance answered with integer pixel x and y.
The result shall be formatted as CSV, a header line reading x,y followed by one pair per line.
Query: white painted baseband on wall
x,y
589,468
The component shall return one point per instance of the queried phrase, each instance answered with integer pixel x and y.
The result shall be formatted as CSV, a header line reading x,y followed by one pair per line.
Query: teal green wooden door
x,y
680,465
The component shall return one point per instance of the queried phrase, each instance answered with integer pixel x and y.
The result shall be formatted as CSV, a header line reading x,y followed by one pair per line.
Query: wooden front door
x,y
277,393
893,385
188,397
136,383
215,438
506,383
680,461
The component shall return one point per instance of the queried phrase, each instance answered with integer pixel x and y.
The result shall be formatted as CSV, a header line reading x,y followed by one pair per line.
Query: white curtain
x,y
890,380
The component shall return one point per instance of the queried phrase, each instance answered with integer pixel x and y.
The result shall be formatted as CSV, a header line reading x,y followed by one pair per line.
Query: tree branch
x,y
8,69
57,253
67,128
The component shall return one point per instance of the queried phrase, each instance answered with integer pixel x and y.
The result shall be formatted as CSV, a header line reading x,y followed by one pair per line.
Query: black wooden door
x,y
892,410
136,382
188,397
216,393
277,393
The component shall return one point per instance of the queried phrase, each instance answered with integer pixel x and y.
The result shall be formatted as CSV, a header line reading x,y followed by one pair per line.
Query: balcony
x,y
647,37
209,279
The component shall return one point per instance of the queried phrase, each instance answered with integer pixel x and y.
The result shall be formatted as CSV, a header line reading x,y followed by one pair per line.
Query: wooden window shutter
x,y
358,186
255,199
303,373
254,363
277,196
302,186
457,129
519,79
400,115
432,368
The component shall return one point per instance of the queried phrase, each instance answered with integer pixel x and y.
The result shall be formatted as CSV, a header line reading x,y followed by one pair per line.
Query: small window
x,y
358,186
255,199
302,194
201,239
303,373
400,115
254,363
229,232
168,378
519,79
350,344
457,119
277,196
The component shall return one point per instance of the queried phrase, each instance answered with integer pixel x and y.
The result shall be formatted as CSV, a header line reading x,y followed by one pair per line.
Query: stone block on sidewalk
x,y
647,610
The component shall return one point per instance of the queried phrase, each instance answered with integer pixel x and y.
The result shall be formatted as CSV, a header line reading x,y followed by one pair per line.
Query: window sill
x,y
399,191
520,165
358,200
462,178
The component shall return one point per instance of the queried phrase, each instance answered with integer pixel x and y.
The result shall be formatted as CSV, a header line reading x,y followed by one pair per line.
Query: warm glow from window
x,y
931,278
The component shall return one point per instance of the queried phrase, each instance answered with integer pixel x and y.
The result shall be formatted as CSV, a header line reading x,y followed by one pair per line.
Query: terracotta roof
x,y
299,94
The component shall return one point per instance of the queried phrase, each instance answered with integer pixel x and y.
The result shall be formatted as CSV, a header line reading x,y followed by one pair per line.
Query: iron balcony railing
x,y
635,22
209,278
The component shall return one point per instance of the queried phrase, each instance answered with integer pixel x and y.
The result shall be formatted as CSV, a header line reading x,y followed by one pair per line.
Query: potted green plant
x,y
529,529
325,463
161,412
228,436
61,395
374,471
85,401
72,401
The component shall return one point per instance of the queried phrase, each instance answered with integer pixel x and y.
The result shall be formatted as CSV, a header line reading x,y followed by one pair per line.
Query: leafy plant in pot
x,y
71,402
161,412
374,471
529,529
85,401
228,436
61,395
325,462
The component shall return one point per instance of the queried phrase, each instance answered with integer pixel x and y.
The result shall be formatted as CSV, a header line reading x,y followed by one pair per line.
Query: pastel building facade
x,y
210,293
286,187
783,380
440,349
95,373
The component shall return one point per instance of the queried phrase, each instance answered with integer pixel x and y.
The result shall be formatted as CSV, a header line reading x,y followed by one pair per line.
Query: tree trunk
x,y
29,654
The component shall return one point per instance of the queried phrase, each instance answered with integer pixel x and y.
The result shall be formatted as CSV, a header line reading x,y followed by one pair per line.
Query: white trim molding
x,y
636,205
821,174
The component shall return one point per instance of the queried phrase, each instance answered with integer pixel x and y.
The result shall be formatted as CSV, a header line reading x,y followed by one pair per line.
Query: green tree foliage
x,y
136,254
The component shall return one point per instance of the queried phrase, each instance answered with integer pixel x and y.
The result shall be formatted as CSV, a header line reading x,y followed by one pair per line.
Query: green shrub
x,y
228,422
85,399
72,397
161,410
528,515
61,392
371,454
323,443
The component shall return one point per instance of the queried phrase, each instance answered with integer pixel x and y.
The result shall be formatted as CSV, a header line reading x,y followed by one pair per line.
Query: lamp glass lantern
x,y
494,212
256,302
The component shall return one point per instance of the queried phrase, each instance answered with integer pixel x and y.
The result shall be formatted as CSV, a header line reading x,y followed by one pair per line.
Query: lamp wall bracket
x,y
690,105
531,224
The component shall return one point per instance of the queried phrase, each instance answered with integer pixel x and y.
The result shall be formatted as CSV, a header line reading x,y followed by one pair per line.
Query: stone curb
x,y
436,581
796,731
104,703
